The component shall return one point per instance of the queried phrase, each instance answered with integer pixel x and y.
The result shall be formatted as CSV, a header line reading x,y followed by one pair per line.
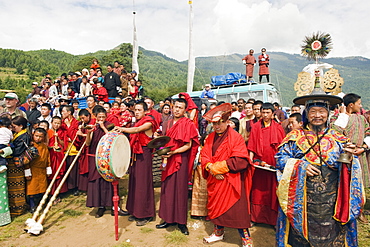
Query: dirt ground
x,y
86,230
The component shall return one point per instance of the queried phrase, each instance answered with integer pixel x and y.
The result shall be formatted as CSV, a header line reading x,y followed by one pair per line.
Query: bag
x,y
27,156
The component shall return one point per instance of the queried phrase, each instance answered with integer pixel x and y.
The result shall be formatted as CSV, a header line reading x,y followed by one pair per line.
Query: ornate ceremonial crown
x,y
312,83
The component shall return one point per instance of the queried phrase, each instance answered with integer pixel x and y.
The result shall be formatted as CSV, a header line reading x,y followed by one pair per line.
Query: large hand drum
x,y
113,156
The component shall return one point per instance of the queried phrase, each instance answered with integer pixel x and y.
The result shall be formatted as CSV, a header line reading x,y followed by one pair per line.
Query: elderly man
x,y
11,102
320,196
225,164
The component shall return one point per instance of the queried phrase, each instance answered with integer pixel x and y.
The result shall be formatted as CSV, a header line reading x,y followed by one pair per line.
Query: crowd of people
x,y
248,162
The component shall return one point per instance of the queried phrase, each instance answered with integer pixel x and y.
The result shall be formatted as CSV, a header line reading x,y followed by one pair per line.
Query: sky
x,y
219,26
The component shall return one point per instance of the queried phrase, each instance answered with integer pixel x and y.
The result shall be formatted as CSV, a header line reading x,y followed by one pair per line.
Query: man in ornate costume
x,y
225,164
319,197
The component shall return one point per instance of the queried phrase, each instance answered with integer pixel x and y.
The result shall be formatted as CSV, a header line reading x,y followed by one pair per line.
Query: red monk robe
x,y
101,93
191,108
71,130
113,119
83,160
264,142
56,159
228,199
157,116
140,198
174,190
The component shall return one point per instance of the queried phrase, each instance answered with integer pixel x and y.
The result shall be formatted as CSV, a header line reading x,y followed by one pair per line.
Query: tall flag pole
x,y
135,46
191,61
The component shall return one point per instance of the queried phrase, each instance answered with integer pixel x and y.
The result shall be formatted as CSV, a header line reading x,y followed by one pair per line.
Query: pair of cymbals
x,y
159,142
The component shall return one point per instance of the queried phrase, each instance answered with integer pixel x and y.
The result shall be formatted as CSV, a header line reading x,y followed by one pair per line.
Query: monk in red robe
x,y
113,118
57,151
173,207
249,61
99,191
70,125
157,116
140,199
83,161
266,136
100,92
226,166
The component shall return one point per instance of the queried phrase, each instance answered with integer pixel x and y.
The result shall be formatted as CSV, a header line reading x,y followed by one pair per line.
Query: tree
x,y
84,62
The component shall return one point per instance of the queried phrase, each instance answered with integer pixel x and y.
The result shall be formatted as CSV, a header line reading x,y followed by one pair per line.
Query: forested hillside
x,y
164,76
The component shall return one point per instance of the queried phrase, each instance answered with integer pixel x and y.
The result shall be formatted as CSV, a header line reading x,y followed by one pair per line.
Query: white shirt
x,y
6,135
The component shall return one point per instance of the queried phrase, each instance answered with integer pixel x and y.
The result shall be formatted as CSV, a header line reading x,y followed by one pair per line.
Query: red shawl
x,y
182,132
57,157
113,119
83,161
157,116
191,106
255,142
223,194
138,140
72,129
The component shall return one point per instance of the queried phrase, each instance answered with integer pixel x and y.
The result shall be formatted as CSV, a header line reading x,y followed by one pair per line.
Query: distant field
x,y
5,72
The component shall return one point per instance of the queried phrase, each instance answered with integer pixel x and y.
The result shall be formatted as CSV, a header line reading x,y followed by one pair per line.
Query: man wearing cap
x,y
207,92
320,196
11,102
33,113
177,172
36,89
226,166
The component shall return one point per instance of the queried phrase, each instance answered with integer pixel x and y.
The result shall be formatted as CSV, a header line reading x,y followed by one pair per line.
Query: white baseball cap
x,y
11,96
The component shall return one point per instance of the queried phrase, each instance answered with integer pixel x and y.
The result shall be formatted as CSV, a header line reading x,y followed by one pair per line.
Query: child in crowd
x,y
133,90
115,110
100,92
125,118
46,126
140,87
71,93
6,137
39,169
57,144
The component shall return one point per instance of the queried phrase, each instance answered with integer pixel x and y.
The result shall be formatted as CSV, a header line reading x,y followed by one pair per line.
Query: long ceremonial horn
x,y
37,227
32,221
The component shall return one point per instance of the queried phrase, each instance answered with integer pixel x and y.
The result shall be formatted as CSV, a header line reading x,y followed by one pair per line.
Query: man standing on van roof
x,y
249,61
207,92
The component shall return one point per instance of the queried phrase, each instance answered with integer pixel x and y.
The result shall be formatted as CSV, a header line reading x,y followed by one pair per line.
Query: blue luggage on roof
x,y
228,79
